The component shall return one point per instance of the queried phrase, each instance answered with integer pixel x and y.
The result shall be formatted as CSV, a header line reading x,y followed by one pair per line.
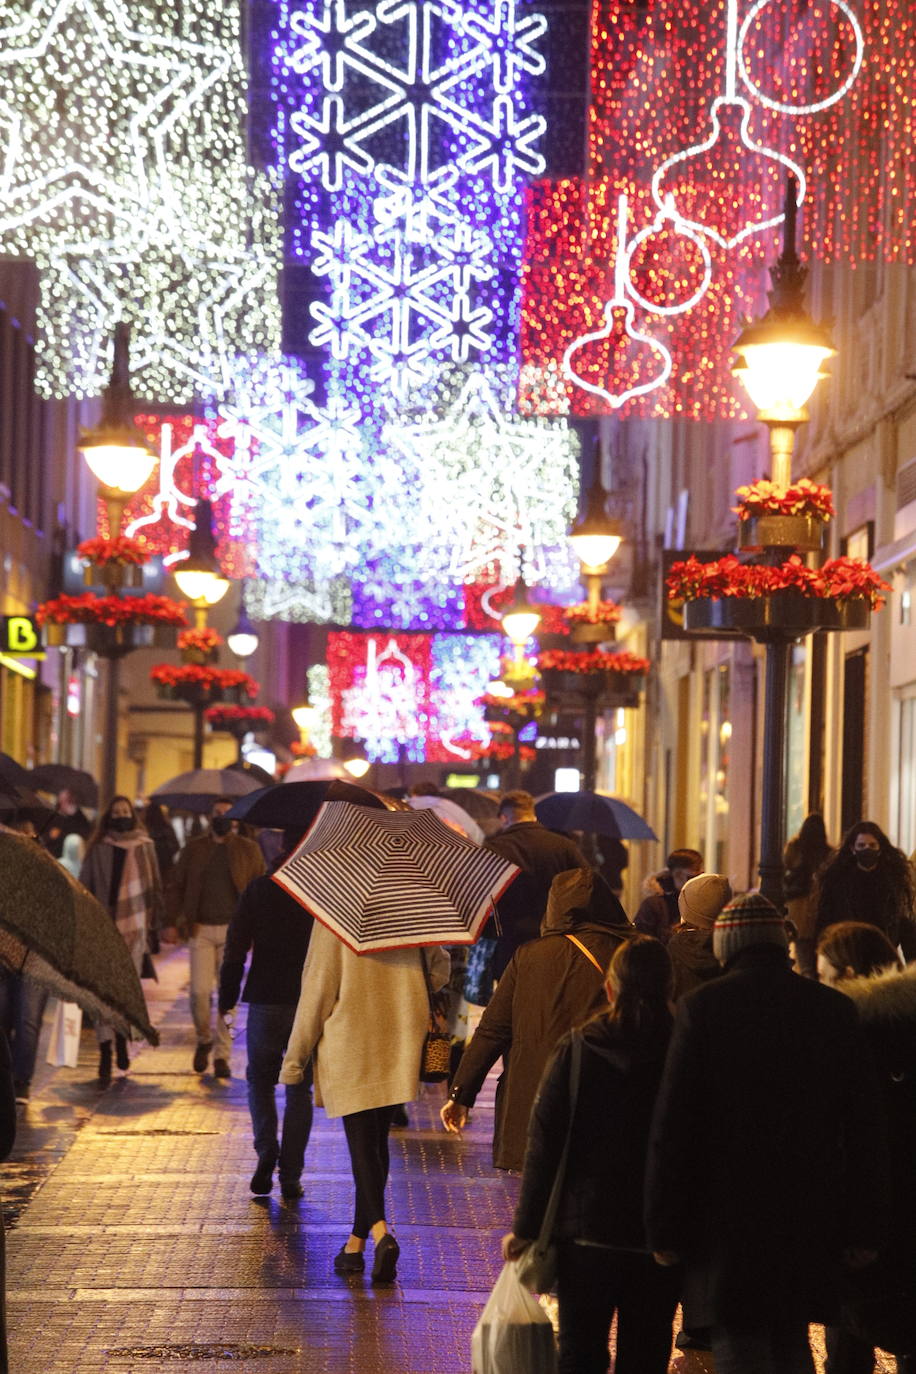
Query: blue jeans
x,y
779,1347
269,1026
22,1005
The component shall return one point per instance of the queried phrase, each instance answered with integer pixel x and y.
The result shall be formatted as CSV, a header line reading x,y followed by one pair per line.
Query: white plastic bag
x,y
514,1334
64,1044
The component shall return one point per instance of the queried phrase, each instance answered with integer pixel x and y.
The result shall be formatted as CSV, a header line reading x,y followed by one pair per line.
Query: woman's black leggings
x,y
367,1141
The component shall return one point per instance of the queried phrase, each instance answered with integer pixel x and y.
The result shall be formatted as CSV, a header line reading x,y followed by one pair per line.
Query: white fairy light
x,y
814,106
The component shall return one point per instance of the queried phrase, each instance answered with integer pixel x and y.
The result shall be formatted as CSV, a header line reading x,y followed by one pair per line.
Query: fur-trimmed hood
x,y
886,996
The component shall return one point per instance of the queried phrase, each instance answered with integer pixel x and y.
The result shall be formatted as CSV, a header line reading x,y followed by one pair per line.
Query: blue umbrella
x,y
593,812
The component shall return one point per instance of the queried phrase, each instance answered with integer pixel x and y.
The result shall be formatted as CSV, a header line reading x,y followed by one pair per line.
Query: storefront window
x,y
906,816
796,809
716,732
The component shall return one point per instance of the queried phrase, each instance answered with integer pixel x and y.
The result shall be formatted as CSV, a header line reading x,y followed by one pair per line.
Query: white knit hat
x,y
702,898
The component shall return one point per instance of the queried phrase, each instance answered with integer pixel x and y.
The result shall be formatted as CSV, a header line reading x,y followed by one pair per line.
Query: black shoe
x,y
399,1116
349,1261
201,1058
105,1063
21,1091
122,1058
292,1189
385,1265
221,1068
262,1180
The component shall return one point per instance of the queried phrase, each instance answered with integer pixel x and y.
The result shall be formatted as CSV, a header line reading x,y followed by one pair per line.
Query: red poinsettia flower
x,y
121,550
839,579
605,613
302,750
232,715
111,610
803,497
192,674
566,661
206,640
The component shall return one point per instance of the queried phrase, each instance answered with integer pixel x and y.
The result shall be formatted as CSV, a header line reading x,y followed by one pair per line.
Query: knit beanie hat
x,y
702,898
746,921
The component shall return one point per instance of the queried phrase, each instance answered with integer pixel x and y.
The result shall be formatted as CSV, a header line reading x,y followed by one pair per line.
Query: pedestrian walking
x,y
860,961
805,855
273,926
120,869
658,913
361,1019
7,1140
212,871
22,1006
551,985
690,944
767,1162
869,880
603,1262
162,833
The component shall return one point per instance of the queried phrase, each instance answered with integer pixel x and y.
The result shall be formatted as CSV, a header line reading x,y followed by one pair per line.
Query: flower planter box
x,y
802,532
782,615
191,693
583,633
113,576
200,656
552,641
109,641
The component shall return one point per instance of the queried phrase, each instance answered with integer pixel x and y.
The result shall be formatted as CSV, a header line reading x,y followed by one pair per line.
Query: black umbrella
x,y
298,803
594,813
198,789
54,931
13,773
55,777
22,804
480,807
254,771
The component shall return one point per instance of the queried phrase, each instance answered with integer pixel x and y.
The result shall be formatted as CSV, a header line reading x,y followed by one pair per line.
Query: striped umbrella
x,y
393,879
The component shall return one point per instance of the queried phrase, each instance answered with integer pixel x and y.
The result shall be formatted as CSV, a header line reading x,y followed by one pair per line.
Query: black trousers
x,y
848,1354
367,1141
593,1284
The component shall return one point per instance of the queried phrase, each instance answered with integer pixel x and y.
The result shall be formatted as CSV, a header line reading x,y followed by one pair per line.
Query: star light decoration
x,y
124,176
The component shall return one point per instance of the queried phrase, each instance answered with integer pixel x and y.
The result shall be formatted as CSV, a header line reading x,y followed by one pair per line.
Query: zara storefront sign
x,y
556,742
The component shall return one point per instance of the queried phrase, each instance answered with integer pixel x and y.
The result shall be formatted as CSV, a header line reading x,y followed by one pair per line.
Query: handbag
x,y
537,1264
436,1059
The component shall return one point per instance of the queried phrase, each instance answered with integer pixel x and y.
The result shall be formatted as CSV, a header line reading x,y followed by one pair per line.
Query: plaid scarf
x,y
130,910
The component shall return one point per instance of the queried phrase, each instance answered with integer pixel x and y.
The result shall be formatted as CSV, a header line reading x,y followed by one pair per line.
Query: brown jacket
x,y
186,878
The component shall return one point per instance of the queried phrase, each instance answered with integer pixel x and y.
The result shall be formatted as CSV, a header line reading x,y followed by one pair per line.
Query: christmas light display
x,y
124,176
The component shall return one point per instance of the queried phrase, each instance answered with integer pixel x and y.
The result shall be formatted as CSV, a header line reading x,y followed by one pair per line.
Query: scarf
x,y
130,911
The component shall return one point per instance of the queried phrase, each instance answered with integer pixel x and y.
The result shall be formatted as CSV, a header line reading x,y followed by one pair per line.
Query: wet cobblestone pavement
x,y
136,1246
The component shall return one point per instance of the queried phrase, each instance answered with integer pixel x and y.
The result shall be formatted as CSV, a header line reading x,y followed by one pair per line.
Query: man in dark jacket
x,y
206,882
551,985
658,913
272,924
541,854
690,946
767,1160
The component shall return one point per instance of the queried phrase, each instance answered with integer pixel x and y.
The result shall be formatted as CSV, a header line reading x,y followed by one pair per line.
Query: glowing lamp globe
x,y
595,537
498,688
243,639
121,462
521,619
780,364
199,576
304,716
357,767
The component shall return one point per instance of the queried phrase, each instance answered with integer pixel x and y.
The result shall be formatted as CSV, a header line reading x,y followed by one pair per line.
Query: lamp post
x,y
595,538
521,619
201,580
120,459
243,638
780,364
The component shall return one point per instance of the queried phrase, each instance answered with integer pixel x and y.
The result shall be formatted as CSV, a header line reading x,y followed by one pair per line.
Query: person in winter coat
x,y
767,1158
7,1141
860,961
120,869
658,913
690,945
276,929
552,984
803,858
869,880
362,1020
603,1262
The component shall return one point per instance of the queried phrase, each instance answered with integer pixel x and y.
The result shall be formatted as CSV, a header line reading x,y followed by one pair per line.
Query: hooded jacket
x,y
549,987
602,1192
692,959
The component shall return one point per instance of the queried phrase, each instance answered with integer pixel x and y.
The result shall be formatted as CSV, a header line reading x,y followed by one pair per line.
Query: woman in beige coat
x,y
362,1018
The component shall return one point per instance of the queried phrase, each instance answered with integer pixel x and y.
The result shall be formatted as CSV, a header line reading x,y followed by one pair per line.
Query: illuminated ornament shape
x,y
171,505
800,107
462,665
386,705
671,238
490,483
619,329
726,220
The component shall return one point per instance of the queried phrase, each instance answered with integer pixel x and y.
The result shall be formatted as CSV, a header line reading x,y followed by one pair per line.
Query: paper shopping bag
x,y
64,1044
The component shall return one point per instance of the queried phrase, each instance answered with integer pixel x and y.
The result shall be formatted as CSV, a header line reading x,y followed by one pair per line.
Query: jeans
x,y
269,1026
206,946
779,1347
367,1141
22,1005
593,1283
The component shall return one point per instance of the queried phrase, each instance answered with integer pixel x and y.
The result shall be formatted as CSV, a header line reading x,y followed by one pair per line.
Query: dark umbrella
x,y
13,773
254,771
55,777
481,808
56,933
197,790
393,879
299,802
593,813
22,804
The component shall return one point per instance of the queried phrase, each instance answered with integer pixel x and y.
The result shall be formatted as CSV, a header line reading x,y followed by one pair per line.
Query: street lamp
x,y
521,619
305,716
115,450
780,364
199,576
243,638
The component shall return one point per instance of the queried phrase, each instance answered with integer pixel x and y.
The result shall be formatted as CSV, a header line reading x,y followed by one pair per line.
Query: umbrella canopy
x,y
451,814
55,777
201,787
12,774
299,803
55,932
593,812
254,771
22,804
478,805
315,770
393,879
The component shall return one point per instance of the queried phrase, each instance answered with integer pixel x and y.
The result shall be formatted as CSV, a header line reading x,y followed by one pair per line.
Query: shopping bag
x,y
514,1334
64,1044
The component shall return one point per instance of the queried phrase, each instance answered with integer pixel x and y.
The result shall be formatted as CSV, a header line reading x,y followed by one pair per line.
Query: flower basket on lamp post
x,y
781,615
199,645
592,623
792,517
112,563
111,626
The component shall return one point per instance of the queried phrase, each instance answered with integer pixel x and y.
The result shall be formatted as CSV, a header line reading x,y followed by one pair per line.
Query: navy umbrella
x,y
298,803
593,812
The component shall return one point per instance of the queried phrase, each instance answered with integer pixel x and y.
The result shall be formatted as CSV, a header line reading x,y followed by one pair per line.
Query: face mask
x,y
220,826
867,858
121,824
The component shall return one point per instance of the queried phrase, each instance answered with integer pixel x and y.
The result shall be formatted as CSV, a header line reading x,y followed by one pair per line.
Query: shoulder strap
x,y
587,952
